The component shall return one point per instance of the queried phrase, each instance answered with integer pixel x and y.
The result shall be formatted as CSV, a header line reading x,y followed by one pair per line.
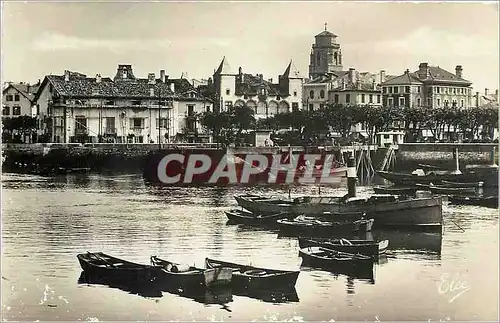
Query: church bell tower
x,y
326,56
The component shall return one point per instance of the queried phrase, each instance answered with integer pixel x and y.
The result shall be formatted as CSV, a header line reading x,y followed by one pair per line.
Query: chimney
x,y
423,70
374,84
151,92
66,75
162,76
240,70
151,78
38,83
98,78
209,80
382,76
477,99
407,71
343,84
270,80
261,77
458,71
486,92
172,87
352,75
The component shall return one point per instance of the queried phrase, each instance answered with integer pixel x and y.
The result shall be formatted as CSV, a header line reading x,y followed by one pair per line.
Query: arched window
x,y
335,57
311,94
322,94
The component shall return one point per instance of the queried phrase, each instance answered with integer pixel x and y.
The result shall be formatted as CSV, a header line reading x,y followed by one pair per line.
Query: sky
x,y
40,38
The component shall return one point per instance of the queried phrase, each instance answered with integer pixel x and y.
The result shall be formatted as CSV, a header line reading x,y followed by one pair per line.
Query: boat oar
x,y
457,225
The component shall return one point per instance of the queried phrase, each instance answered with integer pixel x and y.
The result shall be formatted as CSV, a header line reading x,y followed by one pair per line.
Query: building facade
x,y
429,86
77,108
17,100
264,97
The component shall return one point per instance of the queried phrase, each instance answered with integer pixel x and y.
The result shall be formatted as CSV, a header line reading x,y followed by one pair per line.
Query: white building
x,y
77,108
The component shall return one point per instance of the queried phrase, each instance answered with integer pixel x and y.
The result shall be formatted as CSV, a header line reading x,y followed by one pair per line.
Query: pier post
x,y
351,177
457,164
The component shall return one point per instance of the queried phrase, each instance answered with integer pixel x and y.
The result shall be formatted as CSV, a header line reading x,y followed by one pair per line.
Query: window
x,y
9,97
378,98
294,93
191,108
163,123
278,98
136,102
137,123
407,89
454,103
16,97
295,106
371,98
16,110
228,91
454,91
438,102
336,98
384,89
263,91
437,89
228,105
462,103
208,109
418,89
390,89
418,102
322,94
80,125
386,136
6,110
110,125
311,107
390,102
311,94
38,109
110,102
446,102
362,98
401,102
396,89
347,98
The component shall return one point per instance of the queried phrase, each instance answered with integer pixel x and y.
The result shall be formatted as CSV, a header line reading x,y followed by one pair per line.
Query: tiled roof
x,y
79,85
26,90
406,78
436,73
325,78
359,86
292,71
251,85
224,67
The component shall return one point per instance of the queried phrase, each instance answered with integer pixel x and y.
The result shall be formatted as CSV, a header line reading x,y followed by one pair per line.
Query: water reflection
x,y
142,289
276,296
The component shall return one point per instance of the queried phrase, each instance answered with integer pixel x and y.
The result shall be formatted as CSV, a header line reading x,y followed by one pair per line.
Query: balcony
x,y
137,131
110,131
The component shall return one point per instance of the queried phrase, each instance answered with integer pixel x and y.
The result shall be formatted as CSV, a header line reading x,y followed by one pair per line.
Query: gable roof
x,y
26,90
224,68
406,78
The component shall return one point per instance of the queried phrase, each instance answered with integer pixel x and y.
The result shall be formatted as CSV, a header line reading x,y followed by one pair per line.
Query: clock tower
x,y
326,56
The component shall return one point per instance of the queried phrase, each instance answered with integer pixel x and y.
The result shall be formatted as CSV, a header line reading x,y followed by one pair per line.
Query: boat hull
x,y
367,248
310,258
489,177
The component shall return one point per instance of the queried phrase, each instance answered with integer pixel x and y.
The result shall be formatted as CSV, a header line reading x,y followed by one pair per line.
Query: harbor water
x,y
46,222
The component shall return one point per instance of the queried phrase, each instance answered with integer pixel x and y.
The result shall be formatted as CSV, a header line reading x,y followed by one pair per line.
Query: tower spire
x,y
325,25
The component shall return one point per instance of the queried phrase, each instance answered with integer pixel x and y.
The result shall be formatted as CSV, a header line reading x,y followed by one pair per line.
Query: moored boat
x,y
439,189
255,277
313,226
487,201
102,265
364,247
327,258
387,210
185,275
245,217
459,184
488,177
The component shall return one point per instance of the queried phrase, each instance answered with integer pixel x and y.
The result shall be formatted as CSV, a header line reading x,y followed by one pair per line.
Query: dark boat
x,y
185,275
489,177
327,258
245,217
387,210
275,295
364,247
103,265
440,189
313,226
256,278
487,201
460,185
392,189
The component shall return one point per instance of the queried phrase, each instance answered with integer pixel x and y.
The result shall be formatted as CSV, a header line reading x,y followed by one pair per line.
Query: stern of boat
x,y
218,276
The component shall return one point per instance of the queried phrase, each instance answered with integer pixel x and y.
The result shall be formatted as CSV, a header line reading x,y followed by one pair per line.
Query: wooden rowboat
x,y
313,226
255,277
458,184
331,259
487,201
245,217
364,247
447,190
185,275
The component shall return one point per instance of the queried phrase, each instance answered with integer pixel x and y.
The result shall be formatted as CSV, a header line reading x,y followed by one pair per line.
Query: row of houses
x,y
73,107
